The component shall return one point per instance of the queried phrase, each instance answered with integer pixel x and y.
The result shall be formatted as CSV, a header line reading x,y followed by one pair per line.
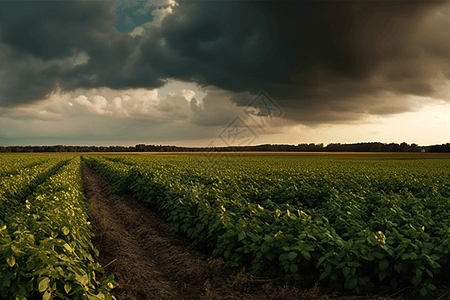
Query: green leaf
x,y
44,284
341,265
353,264
321,260
65,230
306,254
292,255
241,236
47,295
11,260
398,267
378,255
294,268
416,280
383,264
30,265
324,275
16,250
68,248
434,257
67,287
351,284
423,291
419,273
382,275
346,271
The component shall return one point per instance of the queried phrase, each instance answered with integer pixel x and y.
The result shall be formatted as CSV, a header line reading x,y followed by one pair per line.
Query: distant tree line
x,y
335,147
440,148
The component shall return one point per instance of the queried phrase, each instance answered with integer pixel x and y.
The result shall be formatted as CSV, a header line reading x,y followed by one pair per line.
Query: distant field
x,y
414,155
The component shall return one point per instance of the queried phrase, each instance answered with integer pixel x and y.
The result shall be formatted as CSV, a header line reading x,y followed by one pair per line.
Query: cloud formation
x,y
321,61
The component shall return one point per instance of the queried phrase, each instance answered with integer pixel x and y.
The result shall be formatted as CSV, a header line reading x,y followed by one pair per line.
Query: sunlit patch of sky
x,y
174,87
132,13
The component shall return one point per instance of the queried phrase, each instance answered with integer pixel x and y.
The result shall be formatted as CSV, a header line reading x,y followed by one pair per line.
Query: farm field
x,y
357,224
45,236
360,224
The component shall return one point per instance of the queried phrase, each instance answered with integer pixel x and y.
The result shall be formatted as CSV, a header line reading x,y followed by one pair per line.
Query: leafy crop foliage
x,y
12,163
359,224
45,246
18,183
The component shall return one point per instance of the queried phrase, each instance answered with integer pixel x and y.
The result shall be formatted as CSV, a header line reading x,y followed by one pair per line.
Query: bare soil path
x,y
136,245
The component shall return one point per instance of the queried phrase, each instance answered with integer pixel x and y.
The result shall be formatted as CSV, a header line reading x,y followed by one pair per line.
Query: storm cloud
x,y
321,62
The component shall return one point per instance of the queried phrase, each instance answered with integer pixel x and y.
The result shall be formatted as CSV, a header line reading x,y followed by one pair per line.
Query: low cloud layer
x,y
107,116
321,62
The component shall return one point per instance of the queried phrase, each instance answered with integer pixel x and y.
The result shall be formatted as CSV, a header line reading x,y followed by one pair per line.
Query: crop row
x,y
45,243
12,163
16,186
358,224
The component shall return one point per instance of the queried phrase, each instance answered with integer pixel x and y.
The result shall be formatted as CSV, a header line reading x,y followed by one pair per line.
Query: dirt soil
x,y
137,246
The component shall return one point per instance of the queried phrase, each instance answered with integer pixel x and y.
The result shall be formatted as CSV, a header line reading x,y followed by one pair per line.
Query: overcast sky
x,y
199,73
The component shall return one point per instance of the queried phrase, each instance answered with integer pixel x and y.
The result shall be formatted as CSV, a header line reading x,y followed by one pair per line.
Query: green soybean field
x,y
45,237
362,224
356,224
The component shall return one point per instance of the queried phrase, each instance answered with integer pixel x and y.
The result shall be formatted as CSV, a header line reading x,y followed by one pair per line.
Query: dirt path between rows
x,y
136,245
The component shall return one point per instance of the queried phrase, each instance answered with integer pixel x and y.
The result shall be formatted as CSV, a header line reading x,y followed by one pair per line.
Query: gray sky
x,y
185,72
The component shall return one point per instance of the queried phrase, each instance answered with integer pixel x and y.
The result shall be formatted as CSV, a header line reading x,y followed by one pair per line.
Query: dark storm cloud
x,y
55,29
313,58
320,61
37,36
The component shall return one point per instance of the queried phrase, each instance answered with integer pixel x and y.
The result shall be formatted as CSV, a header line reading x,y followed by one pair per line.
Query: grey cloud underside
x,y
320,61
